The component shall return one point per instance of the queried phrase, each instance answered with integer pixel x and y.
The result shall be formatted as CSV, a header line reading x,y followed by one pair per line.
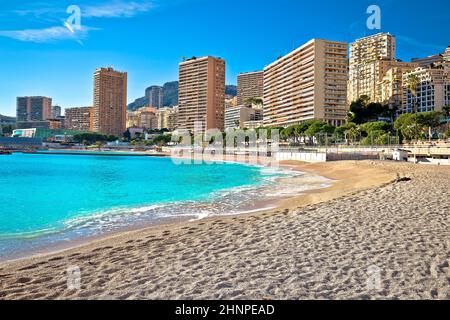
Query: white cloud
x,y
111,9
117,9
46,35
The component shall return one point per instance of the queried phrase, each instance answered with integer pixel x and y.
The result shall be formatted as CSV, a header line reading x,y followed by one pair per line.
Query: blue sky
x,y
148,38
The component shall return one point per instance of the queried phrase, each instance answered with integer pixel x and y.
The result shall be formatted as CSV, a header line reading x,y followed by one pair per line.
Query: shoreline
x,y
260,206
315,246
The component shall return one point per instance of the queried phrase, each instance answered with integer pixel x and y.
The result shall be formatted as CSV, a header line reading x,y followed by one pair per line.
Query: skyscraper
x,y
155,96
110,102
33,111
308,83
201,93
250,85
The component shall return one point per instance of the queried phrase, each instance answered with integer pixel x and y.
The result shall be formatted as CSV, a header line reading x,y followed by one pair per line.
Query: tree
x,y
446,111
362,110
7,129
429,121
447,134
89,138
254,101
162,140
411,82
288,133
349,130
127,135
318,127
370,127
408,126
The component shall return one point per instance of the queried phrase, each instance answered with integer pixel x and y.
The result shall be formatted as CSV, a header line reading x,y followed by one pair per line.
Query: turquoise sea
x,y
47,200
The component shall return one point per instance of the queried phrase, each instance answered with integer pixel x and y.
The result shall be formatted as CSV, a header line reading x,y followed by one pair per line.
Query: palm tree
x,y
412,82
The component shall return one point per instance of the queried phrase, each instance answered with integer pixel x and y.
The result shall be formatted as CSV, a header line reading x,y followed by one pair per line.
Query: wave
x,y
272,184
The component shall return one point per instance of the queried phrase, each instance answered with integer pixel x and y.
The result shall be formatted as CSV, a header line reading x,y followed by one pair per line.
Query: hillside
x,y
171,96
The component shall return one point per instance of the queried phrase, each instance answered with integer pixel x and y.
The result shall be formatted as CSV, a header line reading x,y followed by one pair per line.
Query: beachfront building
x,y
110,102
33,112
308,83
201,93
250,85
236,117
432,91
370,58
155,96
391,86
79,118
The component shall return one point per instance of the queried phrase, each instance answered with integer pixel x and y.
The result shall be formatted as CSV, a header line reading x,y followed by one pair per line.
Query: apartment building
x,y
79,119
390,88
145,117
308,83
249,85
56,112
166,118
236,117
201,93
155,96
370,58
429,61
432,92
110,102
33,112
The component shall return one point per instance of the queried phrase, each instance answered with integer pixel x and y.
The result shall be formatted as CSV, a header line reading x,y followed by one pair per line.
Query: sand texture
x,y
366,237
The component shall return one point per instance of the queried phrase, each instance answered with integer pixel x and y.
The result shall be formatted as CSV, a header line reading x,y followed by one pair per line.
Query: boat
x,y
5,152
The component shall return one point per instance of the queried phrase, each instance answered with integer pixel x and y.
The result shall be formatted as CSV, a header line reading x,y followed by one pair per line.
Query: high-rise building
x,y
250,85
432,91
33,111
79,119
308,83
155,96
370,58
202,93
56,112
110,102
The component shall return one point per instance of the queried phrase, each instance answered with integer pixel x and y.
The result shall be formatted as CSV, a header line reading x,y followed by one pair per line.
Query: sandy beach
x,y
368,236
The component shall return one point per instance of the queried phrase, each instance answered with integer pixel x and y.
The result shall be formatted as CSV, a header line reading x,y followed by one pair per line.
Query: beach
x,y
380,231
